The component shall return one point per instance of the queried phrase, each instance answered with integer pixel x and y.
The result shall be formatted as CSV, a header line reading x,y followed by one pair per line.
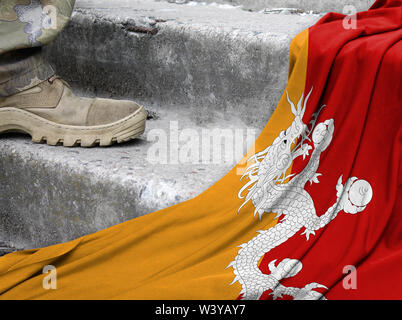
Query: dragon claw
x,y
276,295
314,285
314,179
354,195
308,292
308,232
306,149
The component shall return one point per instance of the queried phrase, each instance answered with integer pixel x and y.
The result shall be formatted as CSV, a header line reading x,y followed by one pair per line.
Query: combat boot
x,y
51,113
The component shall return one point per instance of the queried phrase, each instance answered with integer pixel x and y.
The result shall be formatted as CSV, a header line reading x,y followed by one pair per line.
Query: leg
x,y
35,101
26,25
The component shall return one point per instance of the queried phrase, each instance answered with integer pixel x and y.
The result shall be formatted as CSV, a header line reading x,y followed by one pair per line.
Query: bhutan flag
x,y
316,202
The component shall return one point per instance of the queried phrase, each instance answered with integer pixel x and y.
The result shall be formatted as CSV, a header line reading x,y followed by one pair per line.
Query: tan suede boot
x,y
51,112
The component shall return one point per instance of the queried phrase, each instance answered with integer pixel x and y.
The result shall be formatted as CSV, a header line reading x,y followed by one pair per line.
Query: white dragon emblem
x,y
270,190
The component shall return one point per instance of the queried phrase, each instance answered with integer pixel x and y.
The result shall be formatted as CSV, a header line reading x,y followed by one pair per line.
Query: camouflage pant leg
x,y
25,26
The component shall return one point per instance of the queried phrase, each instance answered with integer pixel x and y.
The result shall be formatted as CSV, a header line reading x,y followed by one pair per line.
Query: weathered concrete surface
x,y
305,5
55,194
208,57
205,67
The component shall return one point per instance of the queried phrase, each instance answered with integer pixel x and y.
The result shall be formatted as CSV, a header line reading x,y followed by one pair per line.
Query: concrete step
x,y
54,194
206,57
303,5
198,70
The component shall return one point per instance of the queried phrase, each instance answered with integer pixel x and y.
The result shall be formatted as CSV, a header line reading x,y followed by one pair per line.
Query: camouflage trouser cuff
x,y
24,74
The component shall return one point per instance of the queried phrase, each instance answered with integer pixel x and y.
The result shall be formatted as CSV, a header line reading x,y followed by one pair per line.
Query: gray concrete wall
x,y
234,61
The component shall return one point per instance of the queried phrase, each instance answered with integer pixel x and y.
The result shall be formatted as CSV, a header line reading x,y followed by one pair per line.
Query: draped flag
x,y
313,213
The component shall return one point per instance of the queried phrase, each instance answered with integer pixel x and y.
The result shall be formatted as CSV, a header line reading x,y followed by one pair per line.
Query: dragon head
x,y
280,154
272,163
278,157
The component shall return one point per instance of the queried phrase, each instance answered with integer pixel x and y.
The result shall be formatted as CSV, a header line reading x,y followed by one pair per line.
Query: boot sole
x,y
42,130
